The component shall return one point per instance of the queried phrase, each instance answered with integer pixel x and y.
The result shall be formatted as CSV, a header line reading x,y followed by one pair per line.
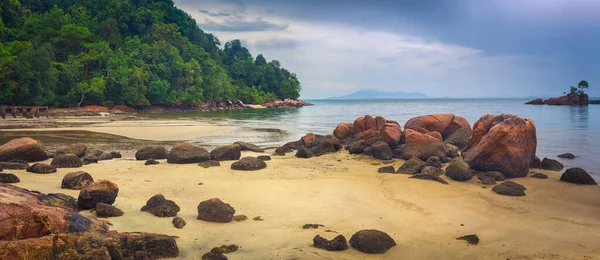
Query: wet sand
x,y
556,220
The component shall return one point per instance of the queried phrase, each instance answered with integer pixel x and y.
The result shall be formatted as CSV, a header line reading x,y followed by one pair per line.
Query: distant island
x,y
376,94
575,97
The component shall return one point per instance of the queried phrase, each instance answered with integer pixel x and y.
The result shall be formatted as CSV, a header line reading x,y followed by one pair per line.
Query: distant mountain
x,y
376,94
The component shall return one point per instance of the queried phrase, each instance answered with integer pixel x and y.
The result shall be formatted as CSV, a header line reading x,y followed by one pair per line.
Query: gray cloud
x,y
278,44
234,25
226,13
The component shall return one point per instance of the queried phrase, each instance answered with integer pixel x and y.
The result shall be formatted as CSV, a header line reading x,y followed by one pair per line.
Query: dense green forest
x,y
133,52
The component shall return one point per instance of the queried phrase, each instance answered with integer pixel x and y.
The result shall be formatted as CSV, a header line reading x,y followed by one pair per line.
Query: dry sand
x,y
556,220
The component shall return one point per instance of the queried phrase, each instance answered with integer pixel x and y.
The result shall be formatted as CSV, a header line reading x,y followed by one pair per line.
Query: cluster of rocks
x,y
570,99
286,103
367,241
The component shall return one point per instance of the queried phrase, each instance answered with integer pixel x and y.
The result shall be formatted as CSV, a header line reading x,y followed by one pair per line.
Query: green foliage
x,y
580,89
133,52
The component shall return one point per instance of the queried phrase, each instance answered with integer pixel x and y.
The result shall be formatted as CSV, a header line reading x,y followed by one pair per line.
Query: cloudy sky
x,y
441,48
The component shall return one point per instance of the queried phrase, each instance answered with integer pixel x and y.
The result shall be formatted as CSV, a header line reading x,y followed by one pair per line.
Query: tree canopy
x,y
580,89
133,52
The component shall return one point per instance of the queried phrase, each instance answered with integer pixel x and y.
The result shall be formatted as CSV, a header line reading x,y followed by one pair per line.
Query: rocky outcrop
x,y
365,131
154,152
249,164
286,103
570,99
183,153
578,176
66,161
161,207
25,149
537,101
102,191
504,143
41,168
510,188
249,147
226,153
77,149
337,244
551,165
453,129
215,210
316,145
372,241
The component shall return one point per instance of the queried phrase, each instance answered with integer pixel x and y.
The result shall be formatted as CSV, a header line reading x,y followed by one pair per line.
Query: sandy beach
x,y
343,192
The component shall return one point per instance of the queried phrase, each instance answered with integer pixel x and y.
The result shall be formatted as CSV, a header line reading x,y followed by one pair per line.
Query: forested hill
x,y
132,52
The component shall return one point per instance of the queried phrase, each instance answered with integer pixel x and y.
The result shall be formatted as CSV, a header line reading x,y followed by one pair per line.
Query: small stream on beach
x,y
560,129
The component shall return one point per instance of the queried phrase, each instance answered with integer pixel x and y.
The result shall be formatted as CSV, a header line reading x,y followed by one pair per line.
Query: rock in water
x,y
422,146
178,222
76,180
25,149
551,165
459,170
9,178
497,176
372,241
510,188
249,164
566,156
155,151
66,161
14,165
249,147
41,168
381,150
210,163
226,153
578,176
151,162
102,191
104,210
215,210
387,169
161,207
471,239
264,157
504,143
337,244
412,166
183,153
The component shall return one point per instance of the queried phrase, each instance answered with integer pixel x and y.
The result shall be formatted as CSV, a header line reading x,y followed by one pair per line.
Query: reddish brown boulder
x,y
102,191
391,134
422,146
343,130
504,143
436,122
25,149
436,135
379,123
364,123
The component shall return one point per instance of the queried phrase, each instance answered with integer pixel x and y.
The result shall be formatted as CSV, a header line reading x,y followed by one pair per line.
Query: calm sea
x,y
560,129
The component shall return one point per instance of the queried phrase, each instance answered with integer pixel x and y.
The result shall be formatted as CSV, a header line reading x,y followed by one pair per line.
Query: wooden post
x,y
13,110
36,110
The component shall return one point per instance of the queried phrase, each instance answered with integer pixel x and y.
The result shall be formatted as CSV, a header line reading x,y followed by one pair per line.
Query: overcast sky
x,y
441,48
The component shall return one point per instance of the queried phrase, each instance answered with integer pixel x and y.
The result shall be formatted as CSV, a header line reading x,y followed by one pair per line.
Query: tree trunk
x,y
81,101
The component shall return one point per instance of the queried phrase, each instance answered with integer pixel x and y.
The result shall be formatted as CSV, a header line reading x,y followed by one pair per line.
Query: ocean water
x,y
560,129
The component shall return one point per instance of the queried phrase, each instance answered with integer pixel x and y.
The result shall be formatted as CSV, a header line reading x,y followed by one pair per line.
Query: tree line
x,y
68,53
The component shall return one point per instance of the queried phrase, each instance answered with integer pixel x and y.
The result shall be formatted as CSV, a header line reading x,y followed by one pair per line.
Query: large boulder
x,y
422,146
317,145
551,165
343,130
445,124
372,241
66,161
578,176
215,210
381,150
510,188
76,180
504,143
459,138
459,170
102,191
249,147
183,153
25,149
391,134
154,152
161,207
249,164
41,168
231,152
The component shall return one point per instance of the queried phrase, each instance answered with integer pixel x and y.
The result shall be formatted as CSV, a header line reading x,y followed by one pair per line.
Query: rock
x,y
381,150
217,253
551,165
9,178
412,166
436,135
434,171
155,152
337,244
105,157
215,210
303,152
451,151
422,146
179,222
183,153
281,151
460,138
343,130
14,165
317,145
314,226
214,256
471,239
209,163
78,149
89,159
357,147
425,176
249,147
249,164
387,169
504,143
25,149
570,99
459,170
566,156
66,161
104,210
539,176
391,134
58,200
161,207
96,152
264,157
510,188
76,180
578,176
226,153
102,191
537,101
116,155
372,241
497,176
293,145
151,162
364,123
41,168
240,218
488,181
434,161
535,163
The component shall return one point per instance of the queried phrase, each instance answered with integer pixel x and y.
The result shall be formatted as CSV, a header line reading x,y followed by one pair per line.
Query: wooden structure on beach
x,y
26,111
